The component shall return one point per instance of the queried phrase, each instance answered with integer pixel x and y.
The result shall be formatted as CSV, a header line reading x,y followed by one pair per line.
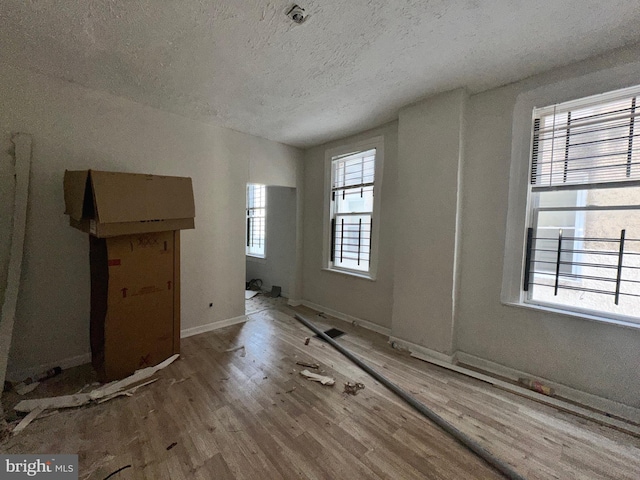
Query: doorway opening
x,y
270,246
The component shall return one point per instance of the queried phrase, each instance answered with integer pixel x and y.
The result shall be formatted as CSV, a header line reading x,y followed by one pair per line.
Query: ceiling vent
x,y
297,14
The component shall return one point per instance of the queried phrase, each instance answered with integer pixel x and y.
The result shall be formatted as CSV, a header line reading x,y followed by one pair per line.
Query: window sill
x,y
253,258
363,276
575,314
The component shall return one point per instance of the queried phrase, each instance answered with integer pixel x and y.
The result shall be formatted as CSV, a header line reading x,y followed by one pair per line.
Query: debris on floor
x,y
307,340
172,445
275,291
249,294
126,386
28,385
315,366
353,388
254,284
117,471
27,420
536,386
23,388
318,378
235,349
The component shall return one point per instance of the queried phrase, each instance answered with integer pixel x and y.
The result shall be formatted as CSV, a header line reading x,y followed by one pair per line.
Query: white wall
x,y
359,297
77,128
278,266
430,305
594,357
426,205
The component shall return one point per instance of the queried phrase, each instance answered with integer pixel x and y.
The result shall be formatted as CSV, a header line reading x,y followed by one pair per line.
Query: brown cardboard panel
x,y
128,197
99,292
116,229
139,324
75,184
176,292
108,204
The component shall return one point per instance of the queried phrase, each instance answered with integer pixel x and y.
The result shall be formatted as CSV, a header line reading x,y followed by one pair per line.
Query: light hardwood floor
x,y
255,417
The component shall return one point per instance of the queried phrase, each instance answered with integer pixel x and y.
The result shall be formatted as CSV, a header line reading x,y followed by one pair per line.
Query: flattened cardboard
x,y
135,302
108,204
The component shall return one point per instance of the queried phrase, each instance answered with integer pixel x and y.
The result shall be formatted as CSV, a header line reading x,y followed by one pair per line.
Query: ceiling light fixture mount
x,y
297,14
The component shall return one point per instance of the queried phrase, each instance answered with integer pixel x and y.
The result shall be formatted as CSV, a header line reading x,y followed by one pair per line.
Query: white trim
x,y
189,332
351,273
591,84
583,398
19,375
423,353
524,392
613,319
22,144
377,143
348,318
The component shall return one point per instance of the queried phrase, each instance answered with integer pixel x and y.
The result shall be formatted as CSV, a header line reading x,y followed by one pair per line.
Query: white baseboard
x,y
189,332
348,318
583,398
19,375
421,352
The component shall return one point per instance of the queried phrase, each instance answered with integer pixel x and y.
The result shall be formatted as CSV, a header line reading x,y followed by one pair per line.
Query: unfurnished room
x,y
319,239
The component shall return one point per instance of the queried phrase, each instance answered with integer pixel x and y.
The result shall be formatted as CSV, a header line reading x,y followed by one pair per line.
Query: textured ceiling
x,y
243,64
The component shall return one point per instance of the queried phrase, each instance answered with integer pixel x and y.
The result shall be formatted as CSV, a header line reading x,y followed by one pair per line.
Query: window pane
x,y
589,257
356,169
256,219
352,242
354,200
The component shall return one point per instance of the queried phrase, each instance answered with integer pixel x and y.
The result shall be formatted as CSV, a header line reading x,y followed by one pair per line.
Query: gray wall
x,y
77,128
278,266
594,357
365,299
426,206
448,298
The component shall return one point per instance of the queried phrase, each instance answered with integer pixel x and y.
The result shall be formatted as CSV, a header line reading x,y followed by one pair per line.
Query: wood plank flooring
x,y
254,417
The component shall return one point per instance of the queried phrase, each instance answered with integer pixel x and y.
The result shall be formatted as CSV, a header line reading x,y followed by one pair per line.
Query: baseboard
x,y
19,375
583,398
294,303
189,332
421,352
347,318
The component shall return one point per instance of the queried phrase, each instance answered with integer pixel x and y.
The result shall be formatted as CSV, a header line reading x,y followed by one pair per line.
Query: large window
x,y
256,219
583,236
354,175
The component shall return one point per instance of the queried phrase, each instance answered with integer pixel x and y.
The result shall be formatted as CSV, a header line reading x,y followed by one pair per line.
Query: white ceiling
x,y
244,65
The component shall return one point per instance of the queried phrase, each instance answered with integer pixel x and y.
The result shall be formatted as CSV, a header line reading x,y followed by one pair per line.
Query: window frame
x,y
376,143
518,213
248,231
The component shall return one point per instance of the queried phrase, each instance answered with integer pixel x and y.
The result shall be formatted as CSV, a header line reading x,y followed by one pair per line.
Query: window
x,y
256,219
583,237
353,205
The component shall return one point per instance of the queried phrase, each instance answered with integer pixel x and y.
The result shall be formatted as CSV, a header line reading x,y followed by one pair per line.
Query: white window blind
x,y
586,143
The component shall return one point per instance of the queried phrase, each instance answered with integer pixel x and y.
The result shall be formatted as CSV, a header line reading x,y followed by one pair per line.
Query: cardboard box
x,y
134,222
108,204
135,302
